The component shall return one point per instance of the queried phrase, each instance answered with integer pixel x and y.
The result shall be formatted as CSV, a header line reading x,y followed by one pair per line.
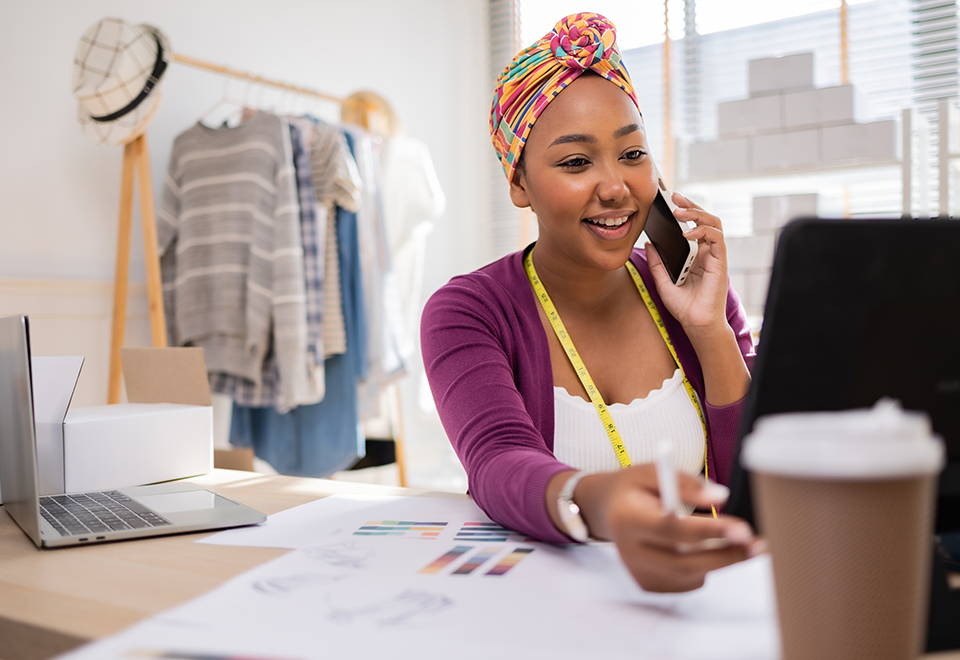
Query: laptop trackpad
x,y
192,500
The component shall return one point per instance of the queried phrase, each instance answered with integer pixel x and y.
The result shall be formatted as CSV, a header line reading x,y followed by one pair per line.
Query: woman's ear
x,y
518,191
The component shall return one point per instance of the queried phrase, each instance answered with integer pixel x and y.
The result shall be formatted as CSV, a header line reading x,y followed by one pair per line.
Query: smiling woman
x,y
558,370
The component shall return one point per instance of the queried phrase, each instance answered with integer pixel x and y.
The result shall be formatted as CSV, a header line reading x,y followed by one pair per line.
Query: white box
x,y
701,161
750,252
166,432
773,212
776,74
786,151
739,282
749,116
758,285
709,160
953,128
860,143
826,106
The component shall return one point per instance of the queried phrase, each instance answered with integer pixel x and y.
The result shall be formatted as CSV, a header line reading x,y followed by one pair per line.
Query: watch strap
x,y
573,524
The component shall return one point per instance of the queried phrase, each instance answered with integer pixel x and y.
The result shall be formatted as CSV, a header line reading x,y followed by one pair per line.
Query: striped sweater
x,y
232,257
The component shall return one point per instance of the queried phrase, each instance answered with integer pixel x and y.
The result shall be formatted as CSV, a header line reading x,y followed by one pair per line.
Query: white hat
x,y
116,77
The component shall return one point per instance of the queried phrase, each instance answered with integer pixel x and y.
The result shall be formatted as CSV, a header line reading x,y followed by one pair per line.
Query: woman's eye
x,y
634,154
574,163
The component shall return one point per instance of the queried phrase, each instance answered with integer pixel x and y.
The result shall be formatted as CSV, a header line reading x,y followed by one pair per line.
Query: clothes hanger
x,y
225,99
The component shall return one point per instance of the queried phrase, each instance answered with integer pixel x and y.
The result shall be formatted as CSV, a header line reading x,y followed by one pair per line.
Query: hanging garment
x,y
337,183
382,297
266,393
412,198
317,440
232,255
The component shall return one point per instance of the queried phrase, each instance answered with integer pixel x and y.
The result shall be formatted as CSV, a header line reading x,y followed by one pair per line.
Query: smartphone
x,y
666,233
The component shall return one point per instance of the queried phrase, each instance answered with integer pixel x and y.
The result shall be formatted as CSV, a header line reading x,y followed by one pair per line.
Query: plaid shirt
x,y
245,392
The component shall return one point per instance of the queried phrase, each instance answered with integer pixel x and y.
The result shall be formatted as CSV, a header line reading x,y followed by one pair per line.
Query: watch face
x,y
573,523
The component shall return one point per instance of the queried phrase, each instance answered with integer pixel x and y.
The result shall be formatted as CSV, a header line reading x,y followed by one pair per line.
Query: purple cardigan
x,y
488,363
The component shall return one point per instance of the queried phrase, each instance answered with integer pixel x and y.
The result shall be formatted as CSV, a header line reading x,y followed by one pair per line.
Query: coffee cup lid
x,y
883,442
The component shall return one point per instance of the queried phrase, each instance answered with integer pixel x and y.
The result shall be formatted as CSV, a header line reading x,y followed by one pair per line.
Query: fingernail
x,y
738,534
716,493
757,548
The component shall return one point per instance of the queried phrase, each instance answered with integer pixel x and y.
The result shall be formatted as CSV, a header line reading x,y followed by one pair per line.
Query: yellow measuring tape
x,y
554,317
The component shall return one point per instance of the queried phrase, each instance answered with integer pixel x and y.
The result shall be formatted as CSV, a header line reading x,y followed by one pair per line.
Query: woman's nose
x,y
611,187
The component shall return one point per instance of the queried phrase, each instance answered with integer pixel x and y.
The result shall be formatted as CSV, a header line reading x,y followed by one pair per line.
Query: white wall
x,y
59,193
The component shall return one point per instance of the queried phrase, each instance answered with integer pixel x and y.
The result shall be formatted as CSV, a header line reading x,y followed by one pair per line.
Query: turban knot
x,y
578,43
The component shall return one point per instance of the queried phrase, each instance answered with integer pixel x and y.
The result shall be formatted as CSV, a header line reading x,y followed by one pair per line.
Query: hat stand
x,y
135,156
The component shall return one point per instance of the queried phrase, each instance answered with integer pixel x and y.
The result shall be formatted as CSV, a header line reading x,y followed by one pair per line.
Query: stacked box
x,y
771,213
772,75
749,116
785,151
860,143
720,158
758,283
750,252
826,106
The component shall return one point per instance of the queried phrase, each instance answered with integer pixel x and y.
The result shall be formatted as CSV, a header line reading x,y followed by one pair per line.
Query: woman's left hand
x,y
700,302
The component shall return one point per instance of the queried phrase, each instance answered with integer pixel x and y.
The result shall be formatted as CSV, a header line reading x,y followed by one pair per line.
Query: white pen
x,y
667,479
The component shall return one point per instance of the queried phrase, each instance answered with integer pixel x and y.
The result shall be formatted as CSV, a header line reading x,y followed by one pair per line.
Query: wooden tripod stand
x,y
135,156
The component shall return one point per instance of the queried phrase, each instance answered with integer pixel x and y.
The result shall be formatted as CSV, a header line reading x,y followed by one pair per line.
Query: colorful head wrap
x,y
578,43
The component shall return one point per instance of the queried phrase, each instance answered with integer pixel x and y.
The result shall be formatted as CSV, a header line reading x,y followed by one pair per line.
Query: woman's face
x,y
587,175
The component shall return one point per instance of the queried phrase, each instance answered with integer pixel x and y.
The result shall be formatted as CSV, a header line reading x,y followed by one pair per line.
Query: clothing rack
x,y
358,108
355,102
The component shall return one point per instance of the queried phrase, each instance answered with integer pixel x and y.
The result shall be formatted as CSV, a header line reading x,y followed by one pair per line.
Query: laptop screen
x,y
858,310
18,451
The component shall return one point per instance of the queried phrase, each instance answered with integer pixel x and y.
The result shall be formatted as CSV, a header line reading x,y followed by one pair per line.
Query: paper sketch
x,y
406,607
281,586
342,555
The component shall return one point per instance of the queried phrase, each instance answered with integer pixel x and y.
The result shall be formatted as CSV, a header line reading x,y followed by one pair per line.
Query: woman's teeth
x,y
609,222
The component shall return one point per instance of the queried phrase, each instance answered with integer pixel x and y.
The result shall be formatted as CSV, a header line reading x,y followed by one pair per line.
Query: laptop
x,y
93,517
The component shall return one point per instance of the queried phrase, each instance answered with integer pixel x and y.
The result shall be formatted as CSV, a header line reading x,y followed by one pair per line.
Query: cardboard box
x,y
953,128
709,160
165,432
770,213
739,280
750,252
758,286
749,116
860,143
826,106
772,75
786,151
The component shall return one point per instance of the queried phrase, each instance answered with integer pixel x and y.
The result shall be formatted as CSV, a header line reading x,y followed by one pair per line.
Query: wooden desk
x,y
52,601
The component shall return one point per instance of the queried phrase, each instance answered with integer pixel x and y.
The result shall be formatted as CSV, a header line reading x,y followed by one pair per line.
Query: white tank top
x,y
580,441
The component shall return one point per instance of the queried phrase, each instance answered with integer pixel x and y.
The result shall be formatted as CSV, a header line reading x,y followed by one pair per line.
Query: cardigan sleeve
x,y
724,421
477,360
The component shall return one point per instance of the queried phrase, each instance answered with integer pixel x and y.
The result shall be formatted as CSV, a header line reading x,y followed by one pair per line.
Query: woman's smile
x,y
611,226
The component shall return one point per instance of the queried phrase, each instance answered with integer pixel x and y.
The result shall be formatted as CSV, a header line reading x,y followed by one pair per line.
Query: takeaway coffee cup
x,y
846,501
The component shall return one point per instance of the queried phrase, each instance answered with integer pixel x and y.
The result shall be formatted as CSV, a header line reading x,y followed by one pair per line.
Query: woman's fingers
x,y
684,202
662,570
689,212
663,551
704,233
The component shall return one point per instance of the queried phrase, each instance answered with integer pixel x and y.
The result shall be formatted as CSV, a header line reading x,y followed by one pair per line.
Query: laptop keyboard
x,y
106,511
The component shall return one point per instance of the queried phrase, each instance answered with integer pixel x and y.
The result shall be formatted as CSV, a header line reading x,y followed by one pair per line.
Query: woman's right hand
x,y
663,552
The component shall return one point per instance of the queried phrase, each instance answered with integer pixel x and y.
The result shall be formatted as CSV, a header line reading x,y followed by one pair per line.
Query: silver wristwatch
x,y
571,521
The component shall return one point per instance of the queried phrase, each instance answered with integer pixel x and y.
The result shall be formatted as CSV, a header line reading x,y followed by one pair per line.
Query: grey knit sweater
x,y
232,257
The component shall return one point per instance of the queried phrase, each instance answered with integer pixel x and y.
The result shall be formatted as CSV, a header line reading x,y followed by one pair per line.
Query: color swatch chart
x,y
476,561
489,531
403,528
